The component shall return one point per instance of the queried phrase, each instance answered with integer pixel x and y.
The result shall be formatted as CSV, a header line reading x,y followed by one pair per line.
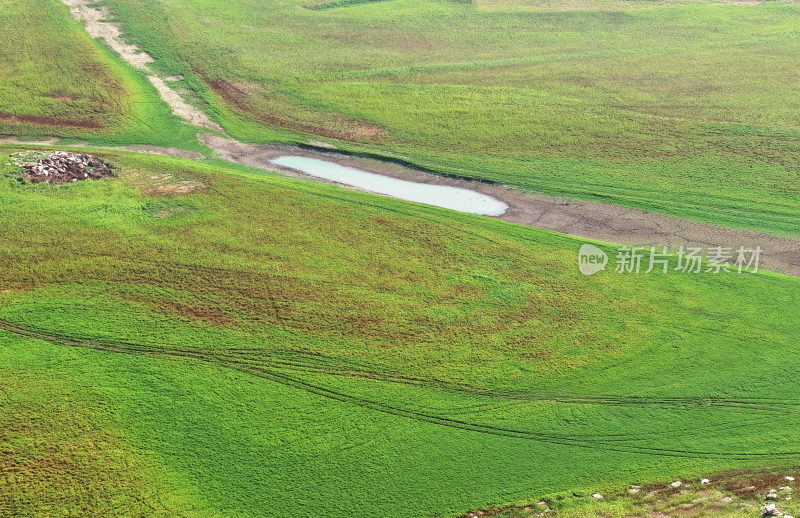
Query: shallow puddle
x,y
455,198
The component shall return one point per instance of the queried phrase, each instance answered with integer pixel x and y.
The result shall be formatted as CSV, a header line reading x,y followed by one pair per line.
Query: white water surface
x,y
455,198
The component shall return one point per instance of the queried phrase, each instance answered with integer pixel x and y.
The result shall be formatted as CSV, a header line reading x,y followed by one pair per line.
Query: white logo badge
x,y
591,259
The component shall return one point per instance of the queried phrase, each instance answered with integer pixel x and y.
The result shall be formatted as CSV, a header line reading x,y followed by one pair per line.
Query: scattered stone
x,y
60,167
542,503
772,495
597,496
676,484
785,488
705,481
790,479
770,510
633,490
726,500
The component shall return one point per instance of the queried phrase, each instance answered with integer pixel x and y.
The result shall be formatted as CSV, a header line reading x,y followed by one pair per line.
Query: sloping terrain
x,y
688,110
56,81
254,342
199,338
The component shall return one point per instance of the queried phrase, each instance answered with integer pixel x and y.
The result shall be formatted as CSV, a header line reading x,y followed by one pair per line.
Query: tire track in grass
x,y
277,376
321,364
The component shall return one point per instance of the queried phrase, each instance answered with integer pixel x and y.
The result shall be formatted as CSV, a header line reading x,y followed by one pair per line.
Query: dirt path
x,y
43,141
593,220
137,148
96,21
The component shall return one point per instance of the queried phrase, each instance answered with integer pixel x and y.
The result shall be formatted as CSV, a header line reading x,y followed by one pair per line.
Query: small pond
x,y
455,198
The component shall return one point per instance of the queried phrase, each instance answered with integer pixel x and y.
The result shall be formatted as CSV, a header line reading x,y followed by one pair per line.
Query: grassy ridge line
x,y
161,46
151,121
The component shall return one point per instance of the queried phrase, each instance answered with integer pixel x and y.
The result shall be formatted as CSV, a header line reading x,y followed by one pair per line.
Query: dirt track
x,y
592,220
96,21
138,148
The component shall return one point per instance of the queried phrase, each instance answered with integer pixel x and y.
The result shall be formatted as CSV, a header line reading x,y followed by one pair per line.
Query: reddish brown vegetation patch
x,y
754,484
48,121
60,96
204,313
242,97
166,184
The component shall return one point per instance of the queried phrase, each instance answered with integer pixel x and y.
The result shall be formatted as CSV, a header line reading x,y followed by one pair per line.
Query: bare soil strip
x,y
137,148
592,220
42,141
96,20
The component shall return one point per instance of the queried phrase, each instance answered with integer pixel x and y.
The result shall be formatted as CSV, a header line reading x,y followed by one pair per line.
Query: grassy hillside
x,y
689,110
56,81
248,344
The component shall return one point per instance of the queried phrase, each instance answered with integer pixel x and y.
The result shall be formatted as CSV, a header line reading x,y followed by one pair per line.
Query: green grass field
x,y
56,81
266,346
689,110
201,339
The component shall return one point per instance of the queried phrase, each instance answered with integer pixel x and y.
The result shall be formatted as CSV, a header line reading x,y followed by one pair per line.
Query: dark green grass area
x,y
689,110
255,345
56,81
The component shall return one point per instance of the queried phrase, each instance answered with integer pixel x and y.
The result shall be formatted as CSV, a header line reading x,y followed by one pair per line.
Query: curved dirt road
x,y
592,220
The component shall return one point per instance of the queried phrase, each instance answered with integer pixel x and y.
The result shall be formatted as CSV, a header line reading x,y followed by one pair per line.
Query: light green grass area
x,y
689,110
268,346
56,81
